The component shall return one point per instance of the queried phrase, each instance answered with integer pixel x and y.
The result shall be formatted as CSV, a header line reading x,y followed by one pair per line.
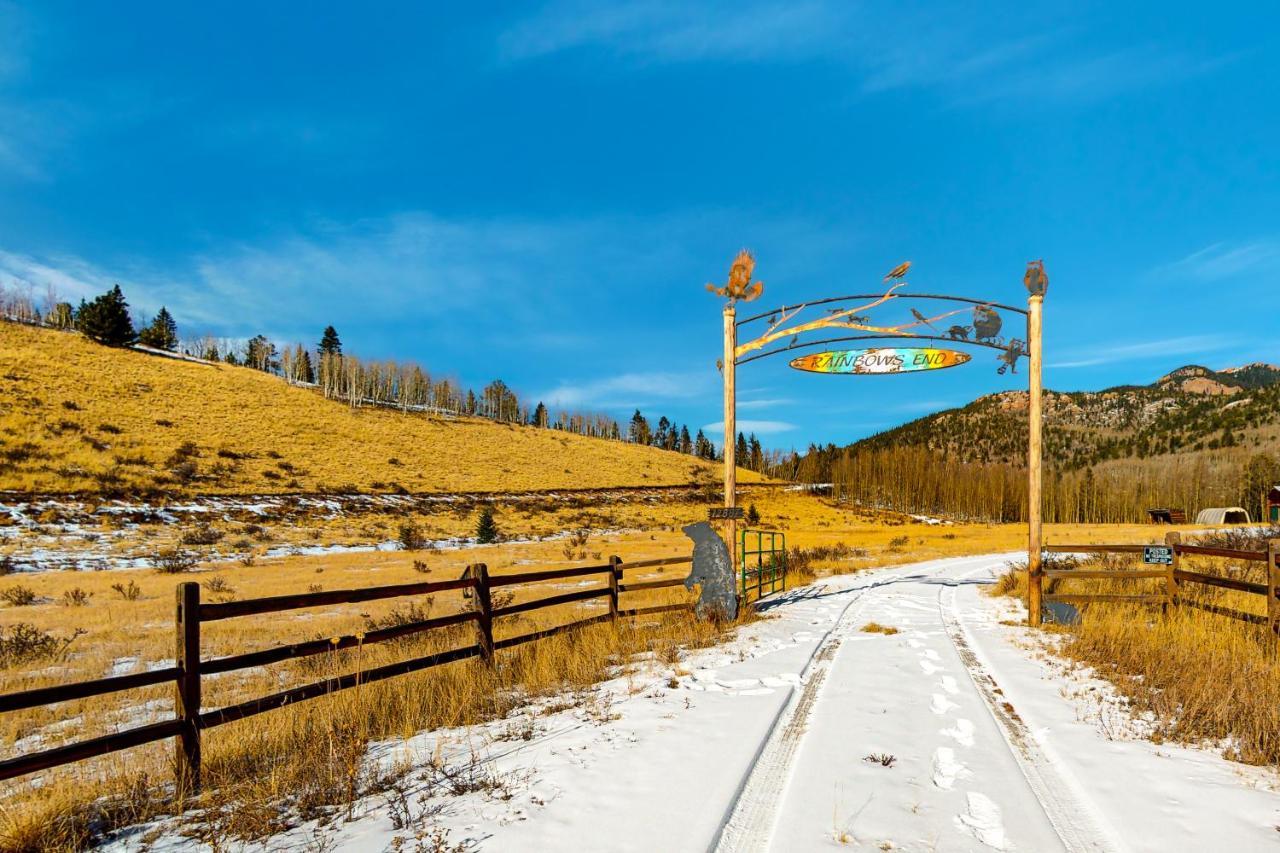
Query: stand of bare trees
x,y
917,480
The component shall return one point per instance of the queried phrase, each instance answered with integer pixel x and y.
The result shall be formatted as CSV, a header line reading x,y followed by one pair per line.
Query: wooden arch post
x,y
730,430
1035,454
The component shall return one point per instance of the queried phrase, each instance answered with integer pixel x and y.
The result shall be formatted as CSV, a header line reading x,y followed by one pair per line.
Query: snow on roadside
x,y
655,759
1157,796
656,755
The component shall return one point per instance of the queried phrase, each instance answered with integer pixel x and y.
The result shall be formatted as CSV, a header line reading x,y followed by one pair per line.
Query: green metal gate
x,y
764,566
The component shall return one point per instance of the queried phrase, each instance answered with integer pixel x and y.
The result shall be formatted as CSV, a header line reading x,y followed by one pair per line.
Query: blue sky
x,y
539,192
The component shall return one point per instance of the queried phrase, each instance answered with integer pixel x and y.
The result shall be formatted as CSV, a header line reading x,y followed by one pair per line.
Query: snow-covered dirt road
x,y
808,733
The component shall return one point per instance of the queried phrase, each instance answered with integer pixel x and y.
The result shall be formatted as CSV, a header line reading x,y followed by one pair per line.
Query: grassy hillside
x,y
79,417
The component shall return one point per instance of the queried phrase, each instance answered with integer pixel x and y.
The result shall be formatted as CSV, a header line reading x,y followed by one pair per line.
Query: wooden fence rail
x,y
1175,577
190,719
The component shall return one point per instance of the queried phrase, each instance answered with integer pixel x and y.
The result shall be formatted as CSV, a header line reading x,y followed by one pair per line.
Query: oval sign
x,y
880,360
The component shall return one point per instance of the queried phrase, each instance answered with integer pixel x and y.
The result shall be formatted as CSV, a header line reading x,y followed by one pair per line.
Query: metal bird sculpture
x,y
899,271
740,287
923,319
1035,278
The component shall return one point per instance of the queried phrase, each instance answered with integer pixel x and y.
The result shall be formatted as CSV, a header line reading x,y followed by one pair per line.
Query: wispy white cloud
x,y
628,390
663,30
885,46
1223,260
70,279
1182,345
750,426
14,40
756,405
418,268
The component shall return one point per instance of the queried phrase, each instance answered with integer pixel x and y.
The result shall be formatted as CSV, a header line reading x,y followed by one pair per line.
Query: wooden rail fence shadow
x,y
1175,577
189,668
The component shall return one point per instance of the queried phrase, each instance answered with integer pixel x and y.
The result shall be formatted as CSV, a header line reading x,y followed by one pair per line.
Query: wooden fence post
x,y
615,569
1273,585
1173,539
187,694
484,607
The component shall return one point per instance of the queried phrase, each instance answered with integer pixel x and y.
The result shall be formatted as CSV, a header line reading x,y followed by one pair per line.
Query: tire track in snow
x,y
750,820
1074,818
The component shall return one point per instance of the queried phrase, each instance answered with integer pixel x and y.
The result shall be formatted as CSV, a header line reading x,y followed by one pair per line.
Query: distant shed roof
x,y
1223,515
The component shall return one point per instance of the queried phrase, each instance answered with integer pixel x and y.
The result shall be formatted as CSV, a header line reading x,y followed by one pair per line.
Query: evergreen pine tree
x,y
540,416
638,432
308,372
162,333
261,354
663,433
740,450
686,443
330,344
486,527
106,319
756,452
702,448
753,516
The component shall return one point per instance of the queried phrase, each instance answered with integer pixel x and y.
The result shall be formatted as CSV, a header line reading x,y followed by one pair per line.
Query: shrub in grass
x,y
174,561
22,644
129,592
76,597
18,596
202,535
411,536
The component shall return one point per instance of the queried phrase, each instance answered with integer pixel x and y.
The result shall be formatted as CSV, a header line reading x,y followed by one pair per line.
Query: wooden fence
x,y
1174,577
189,668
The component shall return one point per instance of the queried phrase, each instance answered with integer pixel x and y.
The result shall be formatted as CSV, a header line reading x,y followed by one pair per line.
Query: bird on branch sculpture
x,y
740,287
899,271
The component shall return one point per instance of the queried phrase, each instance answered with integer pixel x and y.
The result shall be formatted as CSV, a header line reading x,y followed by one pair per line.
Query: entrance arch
x,y
854,313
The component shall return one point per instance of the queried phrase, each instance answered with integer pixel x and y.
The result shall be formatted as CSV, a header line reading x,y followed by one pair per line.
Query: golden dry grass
x,y
1204,677
253,763
78,417
308,761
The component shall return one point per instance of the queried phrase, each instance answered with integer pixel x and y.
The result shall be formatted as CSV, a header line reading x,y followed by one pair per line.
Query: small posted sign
x,y
1157,555
725,513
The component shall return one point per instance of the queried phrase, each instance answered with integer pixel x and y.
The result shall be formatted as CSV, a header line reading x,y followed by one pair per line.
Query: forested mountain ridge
x,y
1194,438
1191,409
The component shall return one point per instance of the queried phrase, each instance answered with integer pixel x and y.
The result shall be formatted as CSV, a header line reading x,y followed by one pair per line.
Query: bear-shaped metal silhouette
x,y
714,572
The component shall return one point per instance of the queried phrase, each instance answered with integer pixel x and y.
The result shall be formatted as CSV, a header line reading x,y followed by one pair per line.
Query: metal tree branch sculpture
x,y
846,318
